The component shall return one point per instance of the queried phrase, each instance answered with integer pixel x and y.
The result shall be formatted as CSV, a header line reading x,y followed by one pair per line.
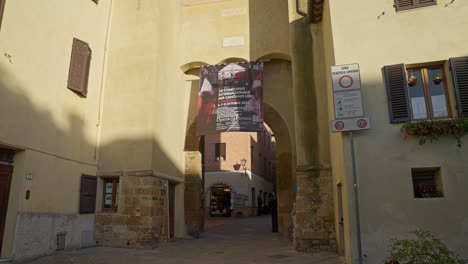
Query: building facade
x,y
242,163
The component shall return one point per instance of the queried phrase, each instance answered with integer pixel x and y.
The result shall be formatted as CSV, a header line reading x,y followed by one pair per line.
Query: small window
x,y
427,183
401,5
110,194
220,151
428,92
78,73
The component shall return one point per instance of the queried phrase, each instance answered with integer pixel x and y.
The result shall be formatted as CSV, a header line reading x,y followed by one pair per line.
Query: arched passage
x,y
285,178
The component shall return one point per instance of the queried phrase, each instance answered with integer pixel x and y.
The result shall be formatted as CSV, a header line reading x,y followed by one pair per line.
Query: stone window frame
x,y
115,193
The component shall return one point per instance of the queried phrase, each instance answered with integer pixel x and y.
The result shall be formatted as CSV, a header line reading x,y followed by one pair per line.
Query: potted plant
x,y
437,79
412,80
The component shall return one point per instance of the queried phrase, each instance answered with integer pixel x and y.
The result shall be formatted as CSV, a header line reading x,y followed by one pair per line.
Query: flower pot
x,y
412,81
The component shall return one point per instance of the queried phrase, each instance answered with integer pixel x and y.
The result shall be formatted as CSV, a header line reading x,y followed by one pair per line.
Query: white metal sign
x,y
352,124
347,99
346,77
348,104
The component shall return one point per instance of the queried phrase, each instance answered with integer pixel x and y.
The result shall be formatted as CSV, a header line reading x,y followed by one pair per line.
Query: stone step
x,y
5,261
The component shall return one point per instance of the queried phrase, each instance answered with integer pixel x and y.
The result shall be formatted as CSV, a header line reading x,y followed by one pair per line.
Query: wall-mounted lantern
x,y
312,10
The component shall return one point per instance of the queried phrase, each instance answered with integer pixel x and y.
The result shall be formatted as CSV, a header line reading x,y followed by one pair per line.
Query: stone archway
x,y
285,176
278,115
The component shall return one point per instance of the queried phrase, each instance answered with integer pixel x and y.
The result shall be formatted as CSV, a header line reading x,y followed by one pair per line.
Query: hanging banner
x,y
230,98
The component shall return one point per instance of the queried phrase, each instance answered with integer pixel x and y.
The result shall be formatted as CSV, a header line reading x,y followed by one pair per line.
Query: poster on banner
x,y
230,98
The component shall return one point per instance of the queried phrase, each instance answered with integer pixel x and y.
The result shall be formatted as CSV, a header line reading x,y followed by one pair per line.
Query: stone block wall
x,y
142,215
314,223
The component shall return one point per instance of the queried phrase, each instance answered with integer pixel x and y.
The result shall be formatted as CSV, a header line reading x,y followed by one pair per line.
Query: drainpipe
x,y
101,92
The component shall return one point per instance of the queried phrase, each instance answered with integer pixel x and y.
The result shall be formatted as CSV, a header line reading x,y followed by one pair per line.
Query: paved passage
x,y
226,240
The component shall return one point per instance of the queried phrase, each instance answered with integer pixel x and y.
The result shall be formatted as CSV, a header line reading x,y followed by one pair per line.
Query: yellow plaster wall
x,y
384,157
56,128
126,136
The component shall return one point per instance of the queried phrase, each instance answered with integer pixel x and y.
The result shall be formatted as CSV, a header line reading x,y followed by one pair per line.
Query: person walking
x,y
274,213
259,204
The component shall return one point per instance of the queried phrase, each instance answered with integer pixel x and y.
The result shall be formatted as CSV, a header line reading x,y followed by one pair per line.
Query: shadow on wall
x,y
43,126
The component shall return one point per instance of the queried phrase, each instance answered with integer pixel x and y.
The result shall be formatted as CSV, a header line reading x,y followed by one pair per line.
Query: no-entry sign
x,y
346,77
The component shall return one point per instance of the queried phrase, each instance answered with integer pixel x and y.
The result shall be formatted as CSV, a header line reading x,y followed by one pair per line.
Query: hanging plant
x,y
437,79
412,80
432,130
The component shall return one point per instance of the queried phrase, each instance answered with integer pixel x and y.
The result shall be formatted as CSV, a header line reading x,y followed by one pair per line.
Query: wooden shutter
x,y
459,68
397,95
405,4
2,9
79,67
222,150
7,155
421,3
217,150
88,194
401,5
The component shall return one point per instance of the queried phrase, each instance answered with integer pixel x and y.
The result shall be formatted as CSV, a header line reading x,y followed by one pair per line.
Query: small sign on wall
x,y
29,176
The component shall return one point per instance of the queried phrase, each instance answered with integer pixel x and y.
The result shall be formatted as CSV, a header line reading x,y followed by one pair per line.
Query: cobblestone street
x,y
227,240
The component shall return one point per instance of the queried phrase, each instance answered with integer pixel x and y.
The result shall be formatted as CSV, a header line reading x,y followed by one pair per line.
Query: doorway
x,y
220,200
6,172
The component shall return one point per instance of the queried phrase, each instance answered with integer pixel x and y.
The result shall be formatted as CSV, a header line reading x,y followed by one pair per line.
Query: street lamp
x,y
243,162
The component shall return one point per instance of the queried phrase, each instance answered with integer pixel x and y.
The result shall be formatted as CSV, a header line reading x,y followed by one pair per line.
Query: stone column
x,y
314,224
193,191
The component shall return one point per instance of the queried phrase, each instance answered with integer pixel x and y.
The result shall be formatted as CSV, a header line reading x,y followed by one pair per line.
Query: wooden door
x,y
171,209
5,182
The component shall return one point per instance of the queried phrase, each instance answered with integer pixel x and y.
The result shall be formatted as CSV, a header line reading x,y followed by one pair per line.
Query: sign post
x,y
349,116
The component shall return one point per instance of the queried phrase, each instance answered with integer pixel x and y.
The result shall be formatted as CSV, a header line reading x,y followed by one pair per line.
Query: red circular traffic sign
x,y
361,123
346,81
339,125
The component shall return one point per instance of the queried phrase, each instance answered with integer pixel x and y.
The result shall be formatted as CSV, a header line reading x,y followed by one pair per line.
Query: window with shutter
x,y
220,151
459,68
401,5
398,106
88,194
2,9
417,93
79,67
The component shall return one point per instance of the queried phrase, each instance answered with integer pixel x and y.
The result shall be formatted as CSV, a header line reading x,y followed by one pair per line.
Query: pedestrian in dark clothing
x,y
259,203
274,214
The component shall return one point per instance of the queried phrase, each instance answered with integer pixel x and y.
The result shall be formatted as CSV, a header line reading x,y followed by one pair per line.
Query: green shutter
x,y
459,68
397,94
